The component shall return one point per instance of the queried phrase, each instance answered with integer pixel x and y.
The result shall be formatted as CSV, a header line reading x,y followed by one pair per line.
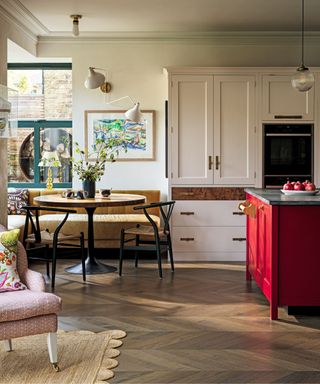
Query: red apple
x,y
310,187
293,183
298,186
288,186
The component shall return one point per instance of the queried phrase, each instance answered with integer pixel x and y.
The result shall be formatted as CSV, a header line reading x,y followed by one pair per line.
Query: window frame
x,y
37,125
40,124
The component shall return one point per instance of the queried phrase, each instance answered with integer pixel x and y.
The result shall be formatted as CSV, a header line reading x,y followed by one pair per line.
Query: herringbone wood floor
x,y
204,324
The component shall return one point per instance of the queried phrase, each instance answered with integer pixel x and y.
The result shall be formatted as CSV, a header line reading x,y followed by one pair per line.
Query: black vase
x,y
89,188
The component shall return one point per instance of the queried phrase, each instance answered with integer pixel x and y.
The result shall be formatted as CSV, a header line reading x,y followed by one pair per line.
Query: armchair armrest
x,y
33,280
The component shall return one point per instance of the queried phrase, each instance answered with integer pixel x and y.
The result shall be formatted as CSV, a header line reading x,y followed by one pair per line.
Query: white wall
x,y
13,32
136,70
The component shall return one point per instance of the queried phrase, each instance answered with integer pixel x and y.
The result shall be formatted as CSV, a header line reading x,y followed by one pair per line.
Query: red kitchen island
x,y
283,247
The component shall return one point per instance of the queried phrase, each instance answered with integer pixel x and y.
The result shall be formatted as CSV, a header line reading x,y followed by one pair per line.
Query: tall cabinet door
x,y
234,124
192,129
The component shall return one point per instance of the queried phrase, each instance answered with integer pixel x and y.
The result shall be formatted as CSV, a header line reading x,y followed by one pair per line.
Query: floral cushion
x,y
9,278
17,198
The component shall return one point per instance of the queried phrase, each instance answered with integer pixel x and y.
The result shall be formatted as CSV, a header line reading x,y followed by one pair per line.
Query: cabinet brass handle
x,y
187,193
239,239
218,163
186,238
210,162
248,209
238,213
187,213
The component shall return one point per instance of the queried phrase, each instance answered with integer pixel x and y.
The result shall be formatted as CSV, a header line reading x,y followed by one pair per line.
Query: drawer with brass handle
x,y
207,213
209,239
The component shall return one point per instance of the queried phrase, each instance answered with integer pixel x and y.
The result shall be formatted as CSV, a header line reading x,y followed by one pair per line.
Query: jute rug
x,y
84,358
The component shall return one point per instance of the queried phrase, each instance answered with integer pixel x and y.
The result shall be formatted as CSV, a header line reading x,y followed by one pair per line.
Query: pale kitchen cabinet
x,y
191,107
234,130
280,101
212,129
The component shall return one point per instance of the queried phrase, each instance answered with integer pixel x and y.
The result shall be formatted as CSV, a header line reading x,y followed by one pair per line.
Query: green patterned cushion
x,y
9,278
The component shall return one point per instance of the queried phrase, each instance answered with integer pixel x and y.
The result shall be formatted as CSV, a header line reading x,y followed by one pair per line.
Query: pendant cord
x,y
302,35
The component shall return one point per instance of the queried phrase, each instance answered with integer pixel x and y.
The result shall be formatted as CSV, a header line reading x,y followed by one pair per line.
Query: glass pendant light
x,y
303,79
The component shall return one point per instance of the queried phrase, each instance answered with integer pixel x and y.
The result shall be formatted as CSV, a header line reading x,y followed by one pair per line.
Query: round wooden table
x,y
93,266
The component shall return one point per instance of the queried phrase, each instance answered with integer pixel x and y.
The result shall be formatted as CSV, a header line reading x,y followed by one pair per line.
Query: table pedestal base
x,y
93,267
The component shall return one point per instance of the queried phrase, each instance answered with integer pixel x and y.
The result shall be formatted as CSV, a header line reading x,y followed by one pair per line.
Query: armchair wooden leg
x,y
121,251
52,349
83,257
8,345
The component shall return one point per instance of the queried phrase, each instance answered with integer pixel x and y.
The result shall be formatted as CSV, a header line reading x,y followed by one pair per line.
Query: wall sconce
x,y
132,114
75,24
8,112
97,79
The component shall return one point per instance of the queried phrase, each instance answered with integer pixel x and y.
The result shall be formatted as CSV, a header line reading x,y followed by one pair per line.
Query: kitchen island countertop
x,y
276,197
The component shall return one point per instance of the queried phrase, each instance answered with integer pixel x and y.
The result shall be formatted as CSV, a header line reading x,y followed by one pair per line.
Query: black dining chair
x,y
39,243
153,238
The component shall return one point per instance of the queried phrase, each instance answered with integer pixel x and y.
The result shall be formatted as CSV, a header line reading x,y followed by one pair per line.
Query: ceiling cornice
x,y
17,13
210,38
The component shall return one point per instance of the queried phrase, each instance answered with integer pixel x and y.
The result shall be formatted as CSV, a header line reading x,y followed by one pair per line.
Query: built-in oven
x,y
288,153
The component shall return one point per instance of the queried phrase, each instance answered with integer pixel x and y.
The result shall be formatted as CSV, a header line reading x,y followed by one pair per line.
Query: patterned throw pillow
x,y
9,278
17,198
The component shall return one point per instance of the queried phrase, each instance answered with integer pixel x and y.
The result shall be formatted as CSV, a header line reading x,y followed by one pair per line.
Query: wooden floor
x,y
204,324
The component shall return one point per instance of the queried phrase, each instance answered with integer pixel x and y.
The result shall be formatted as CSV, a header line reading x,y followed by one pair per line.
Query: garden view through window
x,y
45,123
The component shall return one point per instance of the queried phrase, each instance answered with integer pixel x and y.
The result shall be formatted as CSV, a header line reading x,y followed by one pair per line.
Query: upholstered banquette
x,y
108,221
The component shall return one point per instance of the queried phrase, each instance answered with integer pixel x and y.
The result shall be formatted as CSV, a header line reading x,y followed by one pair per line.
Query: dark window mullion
x,y
36,152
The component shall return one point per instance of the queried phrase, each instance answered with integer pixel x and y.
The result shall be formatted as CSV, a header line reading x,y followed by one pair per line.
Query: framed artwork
x,y
113,124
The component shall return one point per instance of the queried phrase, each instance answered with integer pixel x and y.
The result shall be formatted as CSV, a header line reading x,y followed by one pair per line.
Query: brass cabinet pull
x,y
238,213
187,213
210,162
218,163
239,239
248,209
186,238
187,193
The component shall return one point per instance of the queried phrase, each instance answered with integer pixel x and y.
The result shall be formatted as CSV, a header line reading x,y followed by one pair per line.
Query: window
x,y
45,112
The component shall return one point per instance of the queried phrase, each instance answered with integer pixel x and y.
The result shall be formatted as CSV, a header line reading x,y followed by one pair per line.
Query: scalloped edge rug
x,y
84,357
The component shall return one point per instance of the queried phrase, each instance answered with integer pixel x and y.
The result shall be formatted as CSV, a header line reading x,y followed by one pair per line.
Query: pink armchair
x,y
31,311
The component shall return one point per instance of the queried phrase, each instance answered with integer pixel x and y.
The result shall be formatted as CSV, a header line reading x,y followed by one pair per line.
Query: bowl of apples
x,y
292,188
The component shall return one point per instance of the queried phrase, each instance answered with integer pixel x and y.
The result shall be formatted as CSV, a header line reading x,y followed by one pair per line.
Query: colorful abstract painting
x,y
112,124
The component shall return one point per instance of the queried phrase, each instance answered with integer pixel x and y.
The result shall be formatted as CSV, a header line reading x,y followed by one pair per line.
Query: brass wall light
x,y
97,79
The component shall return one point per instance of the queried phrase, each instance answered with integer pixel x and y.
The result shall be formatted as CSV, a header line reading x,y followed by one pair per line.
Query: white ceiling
x,y
172,15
